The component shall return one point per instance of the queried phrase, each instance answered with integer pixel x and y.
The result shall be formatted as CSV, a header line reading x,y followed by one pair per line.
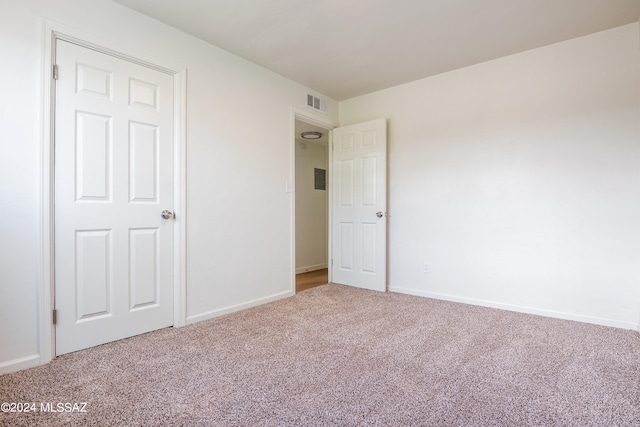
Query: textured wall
x,y
239,214
311,208
517,180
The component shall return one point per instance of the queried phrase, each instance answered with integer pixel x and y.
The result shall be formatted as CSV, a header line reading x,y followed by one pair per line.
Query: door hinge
x,y
55,316
55,71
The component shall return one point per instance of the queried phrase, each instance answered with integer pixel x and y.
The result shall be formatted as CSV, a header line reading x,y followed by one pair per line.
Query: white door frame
x,y
53,31
323,122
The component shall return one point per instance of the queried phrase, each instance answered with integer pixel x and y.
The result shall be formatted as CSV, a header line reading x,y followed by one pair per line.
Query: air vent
x,y
316,103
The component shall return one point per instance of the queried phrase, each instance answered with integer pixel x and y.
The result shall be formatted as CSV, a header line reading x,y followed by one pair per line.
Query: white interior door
x,y
114,148
359,205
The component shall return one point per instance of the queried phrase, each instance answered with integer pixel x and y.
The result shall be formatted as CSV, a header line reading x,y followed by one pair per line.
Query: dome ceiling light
x,y
311,135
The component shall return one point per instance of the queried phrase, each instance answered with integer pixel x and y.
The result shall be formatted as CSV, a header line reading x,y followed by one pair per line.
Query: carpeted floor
x,y
339,356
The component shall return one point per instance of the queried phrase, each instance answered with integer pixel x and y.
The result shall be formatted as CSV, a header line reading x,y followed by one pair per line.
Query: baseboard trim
x,y
310,268
15,365
233,308
520,308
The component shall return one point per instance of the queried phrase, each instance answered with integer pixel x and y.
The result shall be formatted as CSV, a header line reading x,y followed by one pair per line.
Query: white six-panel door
x,y
359,205
113,176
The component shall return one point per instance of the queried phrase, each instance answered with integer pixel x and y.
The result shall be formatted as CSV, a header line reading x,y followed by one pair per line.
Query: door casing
x,y
323,122
52,32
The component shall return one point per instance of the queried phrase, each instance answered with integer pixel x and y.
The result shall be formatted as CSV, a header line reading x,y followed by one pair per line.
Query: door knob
x,y
379,214
167,214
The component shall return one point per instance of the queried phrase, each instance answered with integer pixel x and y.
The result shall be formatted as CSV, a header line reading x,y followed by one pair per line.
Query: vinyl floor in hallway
x,y
311,279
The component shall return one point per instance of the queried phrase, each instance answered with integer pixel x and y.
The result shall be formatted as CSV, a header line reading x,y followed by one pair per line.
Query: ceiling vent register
x,y
316,103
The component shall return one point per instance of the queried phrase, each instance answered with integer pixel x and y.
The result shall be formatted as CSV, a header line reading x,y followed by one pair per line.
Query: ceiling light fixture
x,y
311,135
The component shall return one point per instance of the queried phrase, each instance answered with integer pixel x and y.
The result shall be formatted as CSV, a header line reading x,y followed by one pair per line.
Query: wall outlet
x,y
426,268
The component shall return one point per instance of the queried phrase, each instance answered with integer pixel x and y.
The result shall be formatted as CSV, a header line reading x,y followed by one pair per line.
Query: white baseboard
x,y
521,309
309,268
19,364
233,308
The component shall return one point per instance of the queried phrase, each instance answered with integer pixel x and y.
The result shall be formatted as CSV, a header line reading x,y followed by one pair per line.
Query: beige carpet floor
x,y
338,356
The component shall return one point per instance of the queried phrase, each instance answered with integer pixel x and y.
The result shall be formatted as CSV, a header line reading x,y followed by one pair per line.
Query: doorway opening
x,y
311,205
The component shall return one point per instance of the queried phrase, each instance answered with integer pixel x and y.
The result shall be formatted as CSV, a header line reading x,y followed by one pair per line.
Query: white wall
x,y
517,180
239,215
311,208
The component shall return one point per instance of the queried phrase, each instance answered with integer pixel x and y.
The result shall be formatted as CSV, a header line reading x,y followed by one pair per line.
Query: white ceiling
x,y
346,48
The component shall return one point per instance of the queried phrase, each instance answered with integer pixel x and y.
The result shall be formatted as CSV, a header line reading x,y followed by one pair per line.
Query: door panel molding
x,y
360,205
52,32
